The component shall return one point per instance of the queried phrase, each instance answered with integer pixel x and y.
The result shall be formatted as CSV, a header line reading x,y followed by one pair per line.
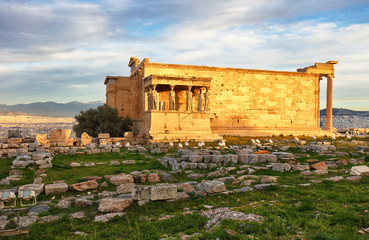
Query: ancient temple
x,y
184,102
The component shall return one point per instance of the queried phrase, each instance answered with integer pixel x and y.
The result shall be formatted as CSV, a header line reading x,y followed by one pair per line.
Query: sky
x,y
61,51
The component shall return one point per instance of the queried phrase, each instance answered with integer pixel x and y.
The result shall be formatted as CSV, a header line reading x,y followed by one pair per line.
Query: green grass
x,y
5,168
325,211
62,171
320,211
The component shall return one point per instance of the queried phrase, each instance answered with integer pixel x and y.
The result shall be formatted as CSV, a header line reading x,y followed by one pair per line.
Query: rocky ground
x,y
281,188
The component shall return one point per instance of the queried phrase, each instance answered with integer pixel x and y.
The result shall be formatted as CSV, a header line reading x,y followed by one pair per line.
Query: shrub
x,y
104,119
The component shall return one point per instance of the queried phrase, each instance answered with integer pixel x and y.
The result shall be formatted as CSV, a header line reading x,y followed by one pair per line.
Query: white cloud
x,y
31,31
284,47
79,86
64,45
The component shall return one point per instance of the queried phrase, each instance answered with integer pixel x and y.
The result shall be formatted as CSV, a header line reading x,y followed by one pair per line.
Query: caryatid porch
x,y
178,107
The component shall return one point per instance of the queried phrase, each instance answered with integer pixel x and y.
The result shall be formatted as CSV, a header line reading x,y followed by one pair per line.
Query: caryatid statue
x,y
207,99
155,98
195,100
172,98
149,99
201,104
189,99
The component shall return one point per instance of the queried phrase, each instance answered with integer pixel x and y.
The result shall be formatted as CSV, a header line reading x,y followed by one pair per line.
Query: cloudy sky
x,y
62,50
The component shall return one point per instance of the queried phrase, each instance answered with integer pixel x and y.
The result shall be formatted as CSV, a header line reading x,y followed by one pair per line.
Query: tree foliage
x,y
104,119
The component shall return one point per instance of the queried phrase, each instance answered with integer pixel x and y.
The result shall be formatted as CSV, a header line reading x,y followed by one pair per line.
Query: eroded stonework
x,y
184,102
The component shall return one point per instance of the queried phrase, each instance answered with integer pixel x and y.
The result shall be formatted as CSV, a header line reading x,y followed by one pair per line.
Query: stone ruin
x,y
40,151
204,159
173,102
189,160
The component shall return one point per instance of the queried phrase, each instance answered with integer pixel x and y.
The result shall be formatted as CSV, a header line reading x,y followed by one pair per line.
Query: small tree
x,y
104,119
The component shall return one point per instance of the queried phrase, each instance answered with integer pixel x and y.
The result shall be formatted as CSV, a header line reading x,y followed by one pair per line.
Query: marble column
x,y
328,124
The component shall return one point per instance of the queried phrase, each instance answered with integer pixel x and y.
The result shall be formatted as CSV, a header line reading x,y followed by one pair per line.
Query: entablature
x,y
323,69
177,80
110,80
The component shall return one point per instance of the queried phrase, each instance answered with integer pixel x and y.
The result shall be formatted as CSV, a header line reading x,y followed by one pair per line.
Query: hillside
x,y
70,109
346,112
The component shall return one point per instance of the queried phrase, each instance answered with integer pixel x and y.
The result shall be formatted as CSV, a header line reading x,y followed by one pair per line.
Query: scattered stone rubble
x,y
40,152
41,148
219,214
229,165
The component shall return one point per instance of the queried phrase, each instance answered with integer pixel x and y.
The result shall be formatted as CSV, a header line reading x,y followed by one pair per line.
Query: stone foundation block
x,y
120,179
20,164
12,154
195,158
319,166
212,186
94,151
38,156
262,158
360,171
185,158
207,158
185,165
192,165
125,188
281,167
114,204
141,193
56,188
139,178
216,158
202,165
84,185
163,192
248,158
83,203
40,162
271,158
153,178
213,165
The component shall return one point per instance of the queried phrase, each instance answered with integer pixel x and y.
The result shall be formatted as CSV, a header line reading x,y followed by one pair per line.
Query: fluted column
x,y
328,124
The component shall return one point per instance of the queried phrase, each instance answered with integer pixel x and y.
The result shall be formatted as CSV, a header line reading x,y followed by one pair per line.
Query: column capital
x,y
331,76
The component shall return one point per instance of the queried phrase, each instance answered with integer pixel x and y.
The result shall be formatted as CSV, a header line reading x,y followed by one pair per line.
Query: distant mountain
x,y
54,109
345,112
